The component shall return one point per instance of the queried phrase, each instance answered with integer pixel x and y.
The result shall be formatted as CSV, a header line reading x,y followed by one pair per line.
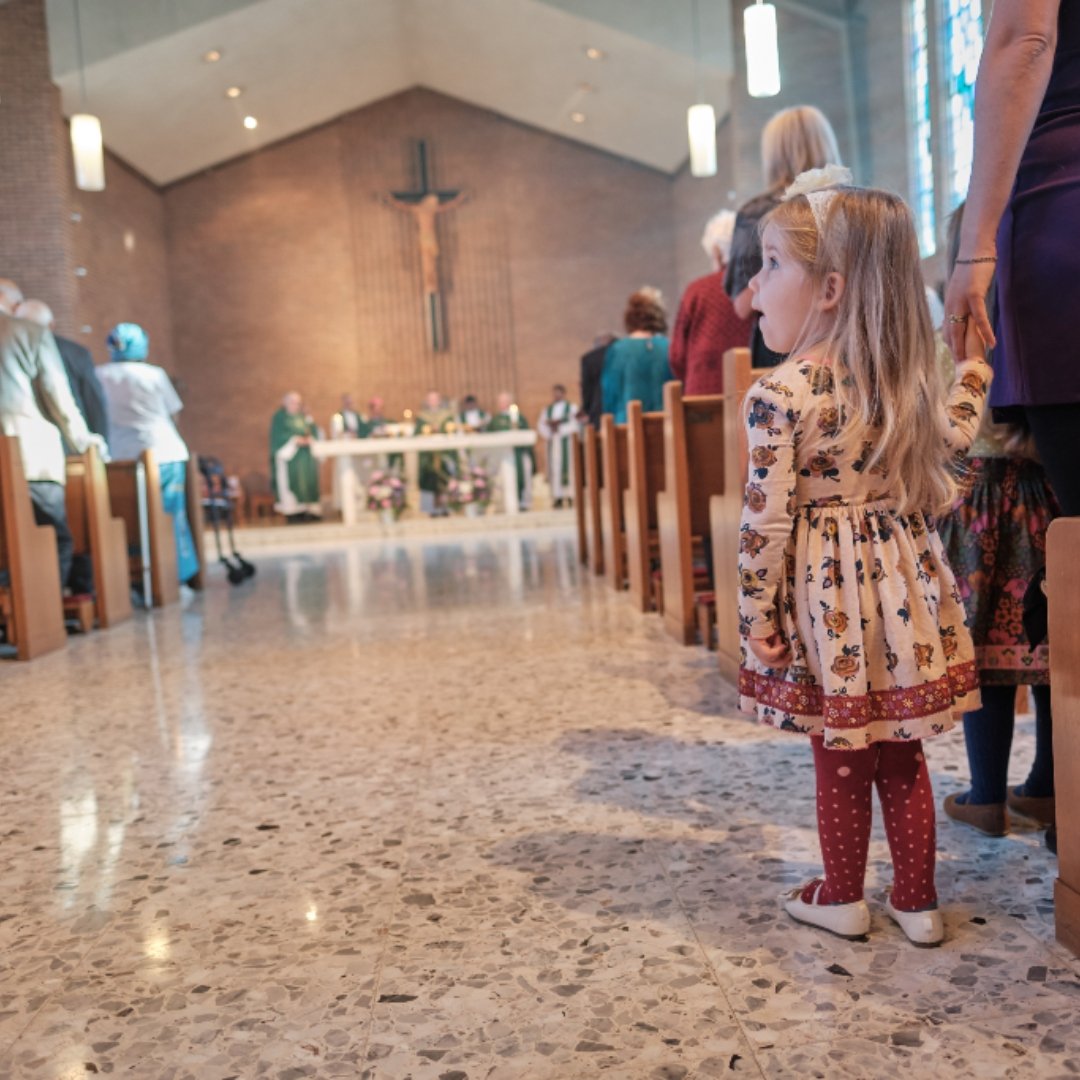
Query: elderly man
x,y
294,472
36,406
80,367
508,418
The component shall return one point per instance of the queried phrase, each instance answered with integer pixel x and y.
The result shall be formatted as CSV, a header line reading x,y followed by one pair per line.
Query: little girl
x,y
852,623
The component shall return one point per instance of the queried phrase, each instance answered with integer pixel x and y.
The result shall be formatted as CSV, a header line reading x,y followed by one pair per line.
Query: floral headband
x,y
819,186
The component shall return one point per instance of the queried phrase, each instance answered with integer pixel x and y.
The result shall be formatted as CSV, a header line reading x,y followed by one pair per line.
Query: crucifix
x,y
425,205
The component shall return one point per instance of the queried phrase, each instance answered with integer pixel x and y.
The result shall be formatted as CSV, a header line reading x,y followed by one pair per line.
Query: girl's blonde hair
x,y
886,381
795,140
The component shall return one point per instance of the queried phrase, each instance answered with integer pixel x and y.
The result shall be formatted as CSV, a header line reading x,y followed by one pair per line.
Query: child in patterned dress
x,y
852,624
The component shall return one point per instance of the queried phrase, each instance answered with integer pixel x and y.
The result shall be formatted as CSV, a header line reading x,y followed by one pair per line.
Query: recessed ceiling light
x,y
250,123
234,91
578,117
593,53
212,57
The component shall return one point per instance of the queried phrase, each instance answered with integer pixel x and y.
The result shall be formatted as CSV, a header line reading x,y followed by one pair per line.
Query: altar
x,y
345,452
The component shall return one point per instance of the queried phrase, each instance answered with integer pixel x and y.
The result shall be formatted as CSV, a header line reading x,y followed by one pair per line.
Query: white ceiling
x,y
303,62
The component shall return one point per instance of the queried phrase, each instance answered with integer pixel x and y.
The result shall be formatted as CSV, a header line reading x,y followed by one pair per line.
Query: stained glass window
x,y
962,37
922,128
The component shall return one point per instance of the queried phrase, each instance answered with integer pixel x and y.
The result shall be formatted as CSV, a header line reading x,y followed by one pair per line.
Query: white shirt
x,y
142,402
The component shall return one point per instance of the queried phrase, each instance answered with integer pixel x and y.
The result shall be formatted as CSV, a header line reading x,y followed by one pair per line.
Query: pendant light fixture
x,y
87,150
762,52
700,118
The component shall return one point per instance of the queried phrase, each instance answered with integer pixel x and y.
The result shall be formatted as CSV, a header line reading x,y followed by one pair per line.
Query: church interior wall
x,y
120,243
288,271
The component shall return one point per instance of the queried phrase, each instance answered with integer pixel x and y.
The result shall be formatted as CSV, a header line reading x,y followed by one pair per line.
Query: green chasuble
x,y
294,472
504,421
436,469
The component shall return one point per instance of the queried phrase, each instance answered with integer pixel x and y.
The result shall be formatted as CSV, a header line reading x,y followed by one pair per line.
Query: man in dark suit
x,y
592,369
79,365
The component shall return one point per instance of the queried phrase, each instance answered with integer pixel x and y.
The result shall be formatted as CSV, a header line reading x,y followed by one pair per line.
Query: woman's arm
x,y
1013,75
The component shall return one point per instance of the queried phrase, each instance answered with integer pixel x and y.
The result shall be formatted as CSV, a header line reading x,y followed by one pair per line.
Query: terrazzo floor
x,y
447,811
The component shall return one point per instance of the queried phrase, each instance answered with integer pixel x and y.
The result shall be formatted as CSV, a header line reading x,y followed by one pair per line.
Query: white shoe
x,y
851,921
923,928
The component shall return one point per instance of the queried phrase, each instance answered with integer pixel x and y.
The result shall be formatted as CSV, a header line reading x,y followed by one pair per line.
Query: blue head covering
x,y
128,341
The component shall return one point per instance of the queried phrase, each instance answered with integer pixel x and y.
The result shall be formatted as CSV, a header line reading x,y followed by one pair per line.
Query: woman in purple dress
x,y
1025,195
1023,216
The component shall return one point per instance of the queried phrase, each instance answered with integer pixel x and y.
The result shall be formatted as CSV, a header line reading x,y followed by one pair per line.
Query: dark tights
x,y
988,734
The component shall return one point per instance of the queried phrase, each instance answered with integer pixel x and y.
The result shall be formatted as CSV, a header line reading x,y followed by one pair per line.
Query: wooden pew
x,y
612,488
591,499
100,535
644,481
30,595
693,472
1063,592
135,494
725,511
577,463
194,492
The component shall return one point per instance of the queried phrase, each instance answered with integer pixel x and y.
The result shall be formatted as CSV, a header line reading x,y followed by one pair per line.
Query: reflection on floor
x,y
449,812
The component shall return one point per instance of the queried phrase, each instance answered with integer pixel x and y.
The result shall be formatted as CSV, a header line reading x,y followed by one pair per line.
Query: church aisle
x,y
407,810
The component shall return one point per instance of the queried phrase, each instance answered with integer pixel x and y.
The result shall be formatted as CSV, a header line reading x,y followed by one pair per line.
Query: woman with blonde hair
x,y
792,142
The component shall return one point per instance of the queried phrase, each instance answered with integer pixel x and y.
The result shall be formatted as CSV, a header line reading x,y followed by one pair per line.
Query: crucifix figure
x,y
425,205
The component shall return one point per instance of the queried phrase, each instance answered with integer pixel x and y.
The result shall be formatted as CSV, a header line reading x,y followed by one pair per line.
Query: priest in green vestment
x,y
508,418
436,468
294,472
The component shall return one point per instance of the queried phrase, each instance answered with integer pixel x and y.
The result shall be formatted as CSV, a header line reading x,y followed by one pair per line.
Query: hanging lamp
x,y
762,51
700,118
87,150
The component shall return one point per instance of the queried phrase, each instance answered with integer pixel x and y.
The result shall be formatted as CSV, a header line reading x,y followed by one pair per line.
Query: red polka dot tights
x,y
845,782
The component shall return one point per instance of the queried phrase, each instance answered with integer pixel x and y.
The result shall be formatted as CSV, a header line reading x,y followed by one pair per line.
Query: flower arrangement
x,y
386,491
472,488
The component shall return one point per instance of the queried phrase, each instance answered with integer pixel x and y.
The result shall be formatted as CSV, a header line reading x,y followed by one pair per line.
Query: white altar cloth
x,y
343,451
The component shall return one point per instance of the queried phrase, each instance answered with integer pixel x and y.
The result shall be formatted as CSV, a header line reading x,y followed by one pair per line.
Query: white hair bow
x,y
819,186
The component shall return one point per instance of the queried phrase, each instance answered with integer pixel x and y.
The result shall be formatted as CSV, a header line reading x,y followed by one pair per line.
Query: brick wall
x,y
287,271
35,223
119,240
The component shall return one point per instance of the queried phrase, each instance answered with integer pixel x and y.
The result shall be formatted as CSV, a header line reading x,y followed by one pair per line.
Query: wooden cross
x,y
425,204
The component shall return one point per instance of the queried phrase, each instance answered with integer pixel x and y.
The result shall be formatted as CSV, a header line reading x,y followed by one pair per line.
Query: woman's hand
x,y
773,651
965,308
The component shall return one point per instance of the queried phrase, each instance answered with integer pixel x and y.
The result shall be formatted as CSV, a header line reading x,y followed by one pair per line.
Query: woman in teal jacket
x,y
636,367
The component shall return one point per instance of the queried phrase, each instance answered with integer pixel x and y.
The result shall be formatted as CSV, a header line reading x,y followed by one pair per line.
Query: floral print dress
x,y
863,595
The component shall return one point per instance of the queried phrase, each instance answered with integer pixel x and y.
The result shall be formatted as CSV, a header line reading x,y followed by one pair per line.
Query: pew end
x,y
135,496
694,471
725,512
100,535
1063,594
30,595
577,460
644,481
591,499
613,486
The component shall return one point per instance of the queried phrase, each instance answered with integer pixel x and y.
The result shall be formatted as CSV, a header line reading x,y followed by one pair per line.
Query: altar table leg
x,y
346,485
508,474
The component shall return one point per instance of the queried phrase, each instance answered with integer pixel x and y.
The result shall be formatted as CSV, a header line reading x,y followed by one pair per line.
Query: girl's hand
x,y
966,296
973,342
772,651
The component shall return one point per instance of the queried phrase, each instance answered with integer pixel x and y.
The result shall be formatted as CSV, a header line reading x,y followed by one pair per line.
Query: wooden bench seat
x,y
594,529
